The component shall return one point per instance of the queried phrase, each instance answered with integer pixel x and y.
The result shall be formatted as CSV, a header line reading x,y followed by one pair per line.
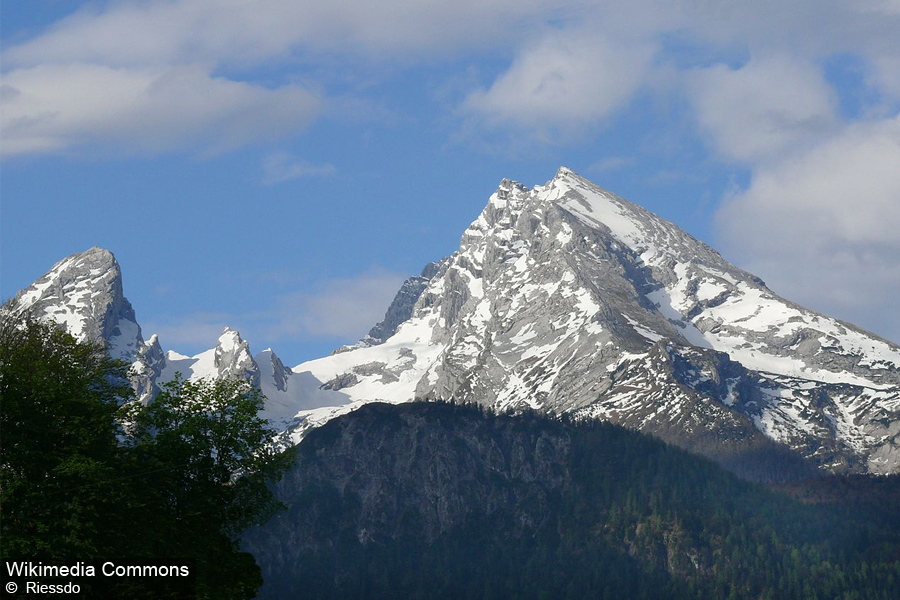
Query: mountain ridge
x,y
567,298
394,500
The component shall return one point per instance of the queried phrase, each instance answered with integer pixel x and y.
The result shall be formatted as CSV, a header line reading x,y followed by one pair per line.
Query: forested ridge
x,y
438,501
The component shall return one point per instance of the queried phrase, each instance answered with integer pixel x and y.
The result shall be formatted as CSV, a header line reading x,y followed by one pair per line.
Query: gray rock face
x,y
401,307
83,293
280,373
150,364
233,358
567,298
407,463
341,381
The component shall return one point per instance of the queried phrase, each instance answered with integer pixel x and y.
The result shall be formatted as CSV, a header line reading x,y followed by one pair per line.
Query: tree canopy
x,y
87,473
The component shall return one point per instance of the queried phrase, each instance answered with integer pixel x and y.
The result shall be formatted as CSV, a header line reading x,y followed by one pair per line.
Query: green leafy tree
x,y
87,473
58,445
206,453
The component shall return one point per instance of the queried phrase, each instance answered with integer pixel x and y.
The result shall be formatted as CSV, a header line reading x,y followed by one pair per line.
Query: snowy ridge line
x,y
563,298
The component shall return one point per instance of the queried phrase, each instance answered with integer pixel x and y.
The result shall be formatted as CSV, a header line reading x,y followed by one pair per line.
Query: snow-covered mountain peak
x,y
648,235
82,292
229,339
566,297
564,171
232,357
717,305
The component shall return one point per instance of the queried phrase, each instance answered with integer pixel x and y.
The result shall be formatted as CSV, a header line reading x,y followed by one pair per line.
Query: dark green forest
x,y
570,510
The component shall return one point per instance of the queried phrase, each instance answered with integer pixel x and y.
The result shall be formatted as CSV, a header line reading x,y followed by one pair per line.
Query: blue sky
x,y
280,167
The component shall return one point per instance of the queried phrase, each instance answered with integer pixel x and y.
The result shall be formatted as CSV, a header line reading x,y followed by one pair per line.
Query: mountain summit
x,y
83,292
566,298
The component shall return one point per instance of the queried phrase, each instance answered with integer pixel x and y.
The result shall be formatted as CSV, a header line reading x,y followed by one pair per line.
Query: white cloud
x,y
236,31
823,227
344,308
564,82
801,27
573,63
188,333
886,75
763,109
611,163
152,109
819,219
125,74
152,32
279,167
341,308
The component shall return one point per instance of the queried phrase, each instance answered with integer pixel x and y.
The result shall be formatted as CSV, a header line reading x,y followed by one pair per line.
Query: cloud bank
x,y
819,213
51,108
823,225
340,310
564,82
279,167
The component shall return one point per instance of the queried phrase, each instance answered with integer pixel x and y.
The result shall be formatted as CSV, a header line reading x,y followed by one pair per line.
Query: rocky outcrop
x,y
411,472
233,359
149,367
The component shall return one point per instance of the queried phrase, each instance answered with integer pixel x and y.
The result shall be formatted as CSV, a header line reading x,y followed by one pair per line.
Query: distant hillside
x,y
433,500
